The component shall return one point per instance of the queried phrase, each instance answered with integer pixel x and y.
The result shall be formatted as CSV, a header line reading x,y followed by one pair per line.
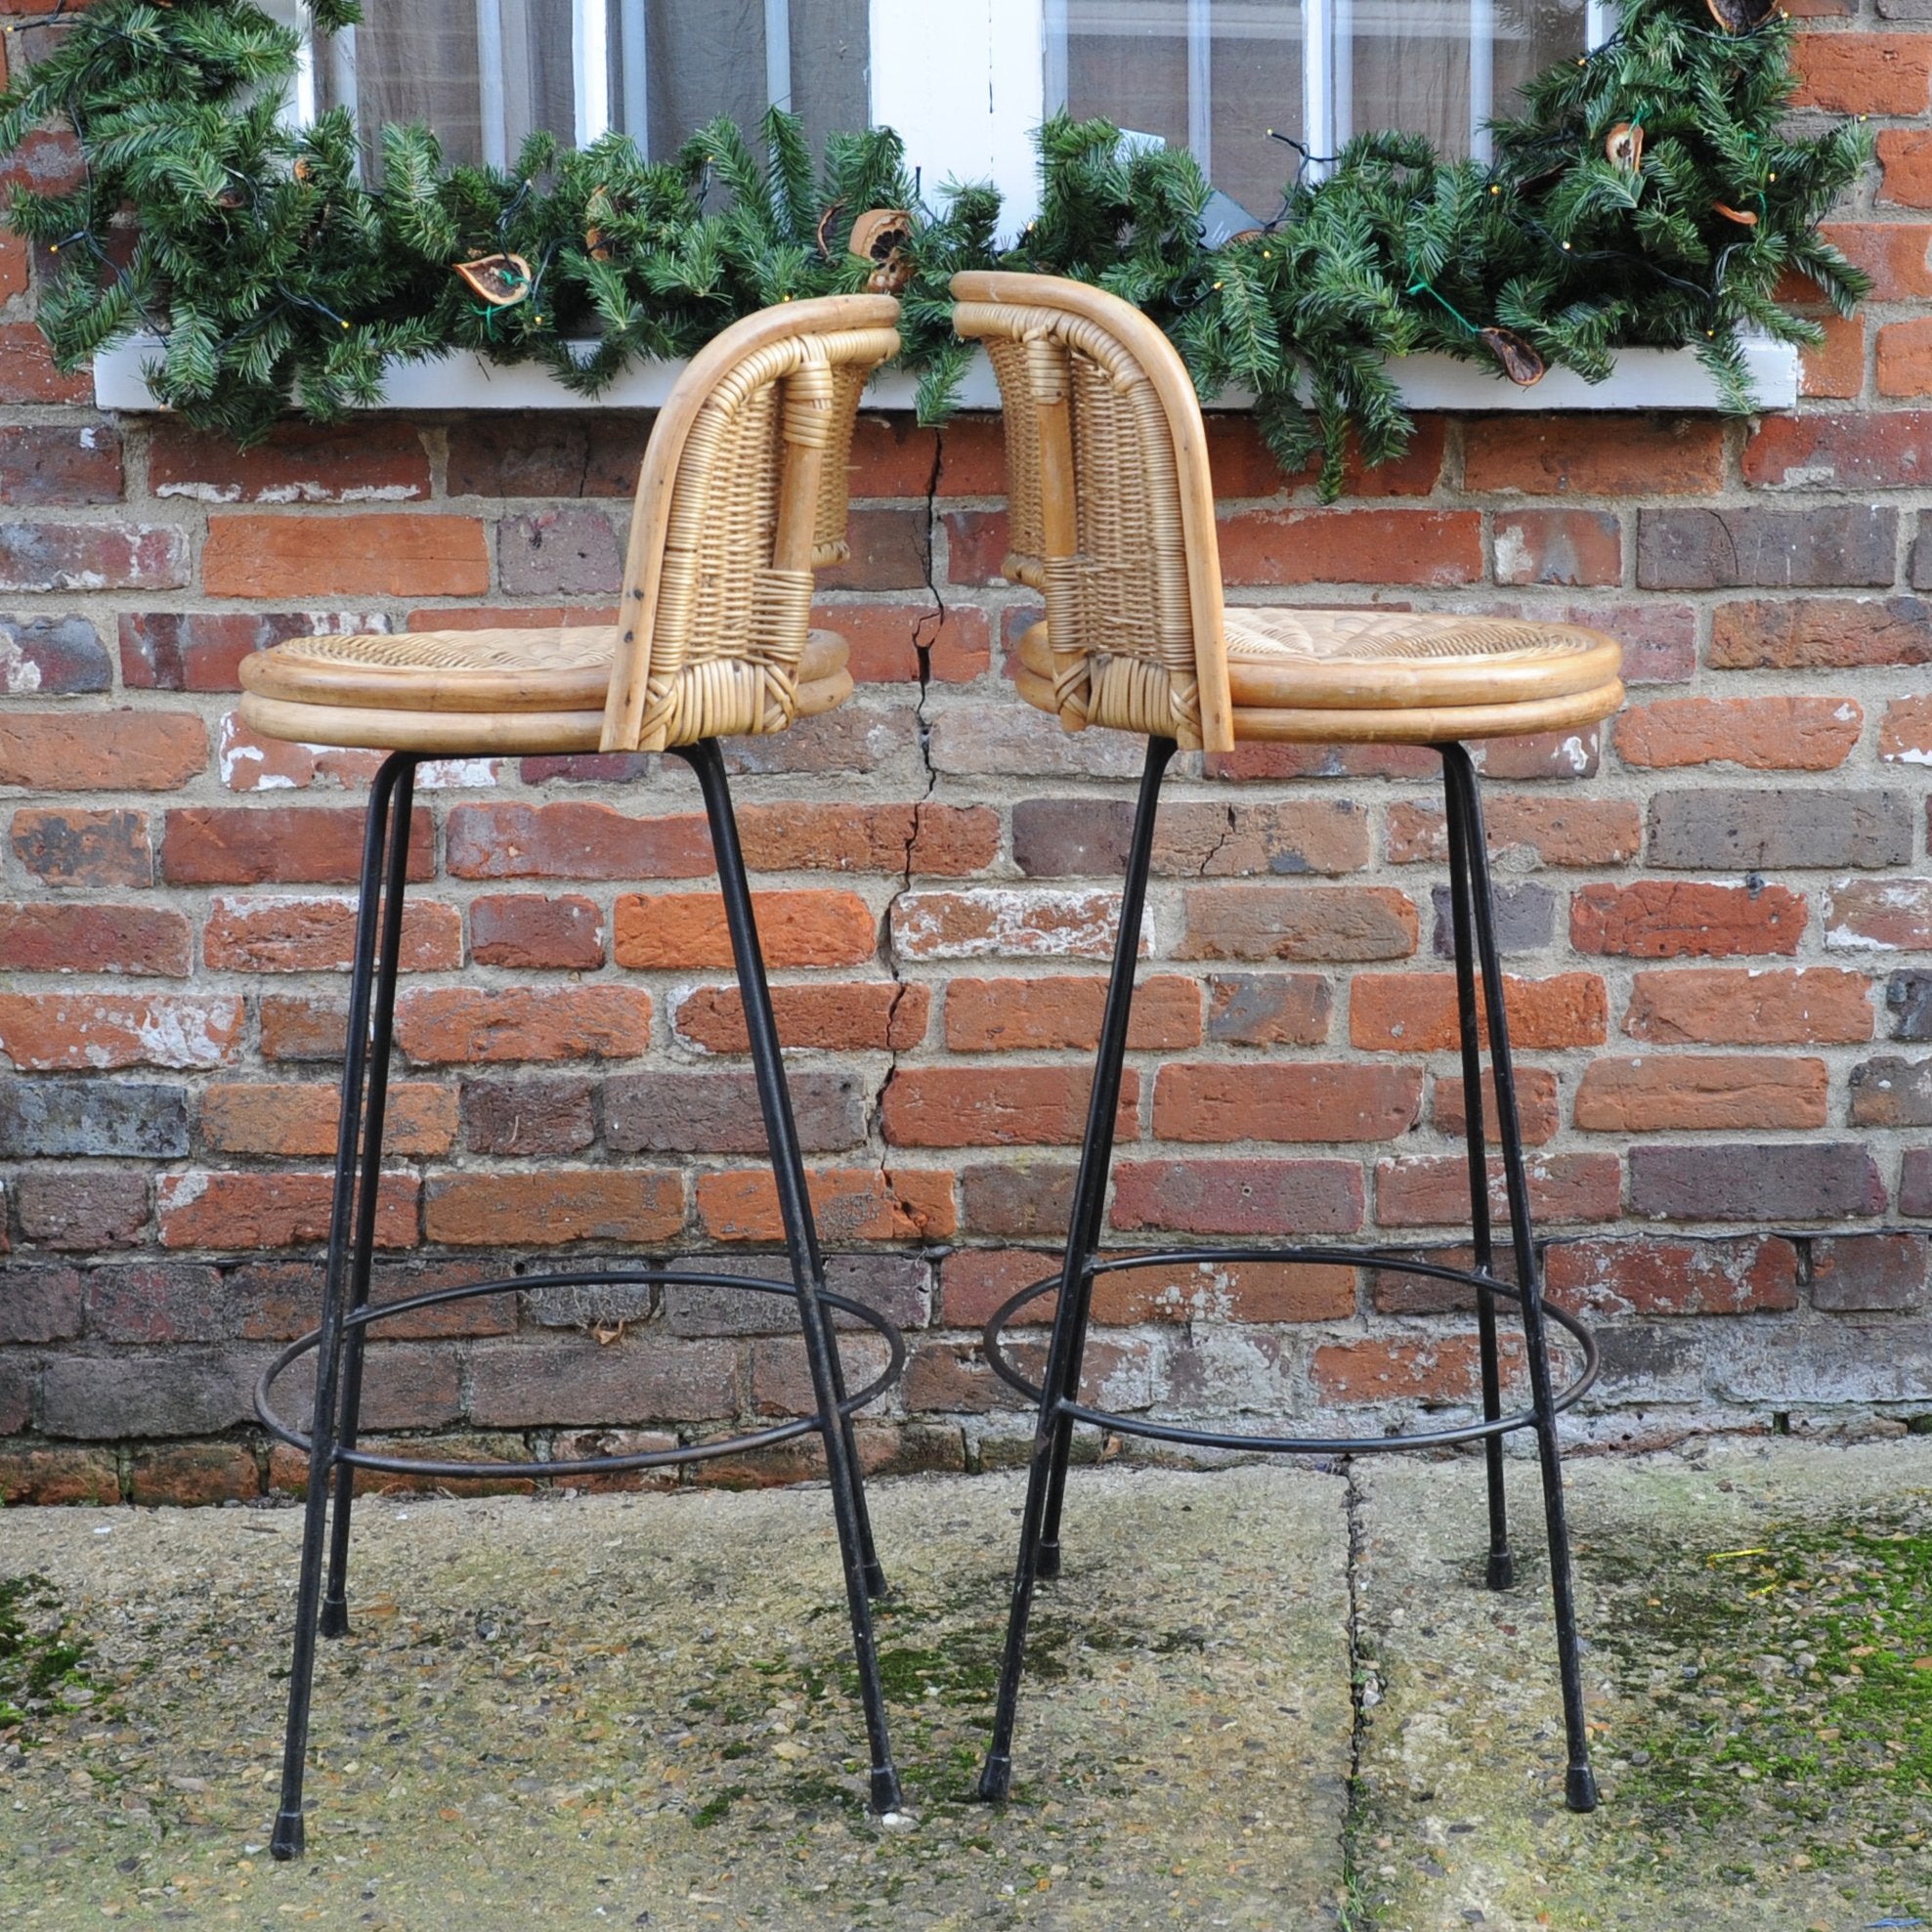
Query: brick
x,y
93,1119
849,1204
18,1382
1905,735
1538,1114
54,1032
1525,920
168,1303
1658,918
368,555
795,928
547,453
1864,73
1732,830
52,658
939,840
1076,837
278,1209
1022,1199
893,643
282,1117
718,1113
882,740
1894,254
1908,995
1345,923
1007,1107
530,1114
977,541
1018,742
82,1207
575,840
1224,1290
993,922
1916,1183
547,1209
1878,915
571,554
1441,1369
102,750
1904,361
471,1026
28,374
1684,1092
1433,1190
1861,1273
277,845
1025,1013
1268,1009
204,650
893,456
898,1286
1891,1091
404,1386
296,1027
1298,1102
1832,543
1239,1197
1430,548
891,550
1760,734
65,848
1750,1006
92,556
1836,366
869,1015
250,763
1616,1278
39,1305
278,1301
1556,830
953,1378
1558,546
142,940
526,931
1626,456
58,1477
1856,452
374,459
1821,633
975,1281
1415,1012
782,1378
290,933
1806,1180
193,1474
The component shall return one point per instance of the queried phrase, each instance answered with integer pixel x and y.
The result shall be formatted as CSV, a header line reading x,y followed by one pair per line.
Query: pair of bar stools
x,y
742,497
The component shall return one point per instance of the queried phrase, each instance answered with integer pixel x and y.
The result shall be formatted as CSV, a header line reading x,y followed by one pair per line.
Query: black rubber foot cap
x,y
885,1793
1046,1567
876,1583
334,1620
1502,1569
996,1780
1580,1789
290,1839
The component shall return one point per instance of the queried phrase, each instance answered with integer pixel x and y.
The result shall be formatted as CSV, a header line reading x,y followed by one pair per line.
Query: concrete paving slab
x,y
637,1711
1759,1681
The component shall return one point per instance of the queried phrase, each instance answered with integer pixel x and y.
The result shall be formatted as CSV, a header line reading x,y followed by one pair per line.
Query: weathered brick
x,y
1858,1273
28,374
1018,742
1433,547
1615,1277
1836,366
278,1301
798,928
1916,1183
20,1379
54,1032
1904,362
572,553
939,840
1854,451
193,1474
275,845
891,550
1088,837
66,847
1345,923
1891,1091
782,1377
991,922
1558,831
1905,735
1538,1114
1295,1101
547,1209
1268,1009
366,556
1433,1190
276,1209
526,931
893,643
882,740
1558,546
1535,455
1894,254
1239,1197
51,657
1661,919
973,1282
58,1477
1006,1106
546,453
282,1117
250,763
1415,1012
1864,73
1525,920
1904,157
374,459
182,1392
1732,830
290,933
300,1027
469,1027
1832,543
39,1303
1682,1092
1021,1012
1761,734
1878,915
102,750
168,1303
718,1113
1443,1369
1908,995
849,1204
1023,1199
58,1118
1739,1180
406,1385
92,556
856,1017
203,650
529,1114
65,937
1821,633
1750,1006
575,840
1227,1291
898,1286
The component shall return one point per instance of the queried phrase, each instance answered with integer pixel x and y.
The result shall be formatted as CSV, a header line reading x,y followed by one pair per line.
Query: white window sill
x,y
1644,379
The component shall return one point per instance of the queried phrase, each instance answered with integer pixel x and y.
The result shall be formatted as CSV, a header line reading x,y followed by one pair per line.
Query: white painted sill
x,y
1644,379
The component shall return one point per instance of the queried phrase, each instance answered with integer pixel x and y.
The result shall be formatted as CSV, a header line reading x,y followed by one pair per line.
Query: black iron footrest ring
x,y
1312,1445
688,1452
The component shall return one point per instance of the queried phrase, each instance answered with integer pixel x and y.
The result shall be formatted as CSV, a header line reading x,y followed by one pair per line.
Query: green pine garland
x,y
268,267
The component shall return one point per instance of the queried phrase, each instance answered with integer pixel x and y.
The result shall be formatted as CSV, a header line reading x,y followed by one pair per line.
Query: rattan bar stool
x,y
742,496
1111,511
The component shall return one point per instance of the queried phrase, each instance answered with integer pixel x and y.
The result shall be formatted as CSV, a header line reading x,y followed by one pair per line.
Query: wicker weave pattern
x,y
1369,637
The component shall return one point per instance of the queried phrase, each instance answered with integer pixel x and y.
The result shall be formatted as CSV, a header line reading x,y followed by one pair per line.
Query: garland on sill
x,y
1650,193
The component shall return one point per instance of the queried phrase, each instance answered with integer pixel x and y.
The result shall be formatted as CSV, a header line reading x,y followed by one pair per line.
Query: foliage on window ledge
x,y
1648,195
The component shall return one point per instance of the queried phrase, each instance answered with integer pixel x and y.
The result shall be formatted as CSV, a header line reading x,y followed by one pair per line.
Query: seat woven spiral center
x,y
1368,637
575,647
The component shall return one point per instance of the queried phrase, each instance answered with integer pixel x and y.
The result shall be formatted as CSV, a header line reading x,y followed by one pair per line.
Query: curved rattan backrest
x,y
1109,503
742,496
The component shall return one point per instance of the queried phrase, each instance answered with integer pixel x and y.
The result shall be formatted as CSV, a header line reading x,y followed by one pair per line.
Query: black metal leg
x,y
1052,1435
336,1603
807,1270
289,1835
1501,1573
1580,1784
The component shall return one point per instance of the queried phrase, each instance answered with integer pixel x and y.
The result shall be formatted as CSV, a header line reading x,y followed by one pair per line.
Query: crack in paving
x,y
1356,1914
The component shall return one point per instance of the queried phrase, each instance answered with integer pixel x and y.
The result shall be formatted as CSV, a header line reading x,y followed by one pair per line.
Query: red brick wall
x,y
1719,913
